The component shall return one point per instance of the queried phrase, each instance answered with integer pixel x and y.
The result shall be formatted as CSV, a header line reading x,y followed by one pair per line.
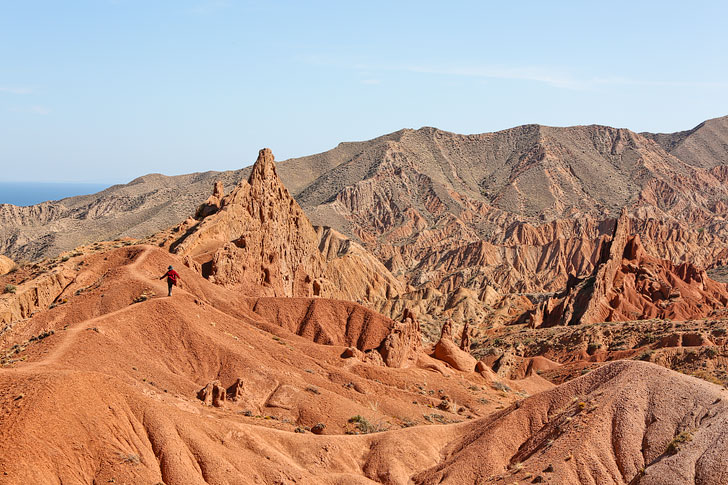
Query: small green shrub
x,y
363,426
646,356
11,289
674,445
499,386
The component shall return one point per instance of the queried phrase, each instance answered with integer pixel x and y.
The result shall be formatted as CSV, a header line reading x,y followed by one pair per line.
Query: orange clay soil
x,y
119,384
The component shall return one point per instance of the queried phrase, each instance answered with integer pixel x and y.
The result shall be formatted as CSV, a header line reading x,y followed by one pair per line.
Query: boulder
x,y
213,394
447,351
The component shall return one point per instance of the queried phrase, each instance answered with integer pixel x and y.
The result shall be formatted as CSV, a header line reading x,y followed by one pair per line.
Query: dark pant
x,y
170,284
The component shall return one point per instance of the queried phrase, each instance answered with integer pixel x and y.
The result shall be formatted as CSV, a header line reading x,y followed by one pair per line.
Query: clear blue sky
x,y
107,90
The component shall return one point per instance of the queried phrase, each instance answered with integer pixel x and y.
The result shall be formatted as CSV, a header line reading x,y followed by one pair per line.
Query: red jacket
x,y
172,275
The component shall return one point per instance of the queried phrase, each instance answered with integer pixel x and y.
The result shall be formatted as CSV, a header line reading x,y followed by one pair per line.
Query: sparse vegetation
x,y
363,426
129,458
146,295
499,386
407,422
10,289
674,446
646,355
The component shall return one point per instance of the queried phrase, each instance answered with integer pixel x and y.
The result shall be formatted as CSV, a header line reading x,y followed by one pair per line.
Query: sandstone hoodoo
x,y
447,351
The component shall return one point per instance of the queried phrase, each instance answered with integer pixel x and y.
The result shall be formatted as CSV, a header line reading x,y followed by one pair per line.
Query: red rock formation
x,y
401,347
447,351
261,242
629,284
465,338
213,394
213,203
34,295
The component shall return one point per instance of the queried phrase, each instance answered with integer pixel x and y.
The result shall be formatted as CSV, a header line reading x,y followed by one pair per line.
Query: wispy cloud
x,y
555,78
562,78
536,74
35,109
15,90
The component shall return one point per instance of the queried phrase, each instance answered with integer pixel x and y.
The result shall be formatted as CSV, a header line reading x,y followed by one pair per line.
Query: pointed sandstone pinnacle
x,y
264,167
465,339
258,240
446,331
213,203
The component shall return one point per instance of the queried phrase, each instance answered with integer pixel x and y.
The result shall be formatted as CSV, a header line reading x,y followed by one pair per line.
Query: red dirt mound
x,y
627,422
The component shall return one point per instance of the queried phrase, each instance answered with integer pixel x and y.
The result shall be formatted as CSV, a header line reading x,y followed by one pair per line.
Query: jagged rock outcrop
x,y
213,394
465,338
213,203
629,284
259,240
404,342
36,294
447,351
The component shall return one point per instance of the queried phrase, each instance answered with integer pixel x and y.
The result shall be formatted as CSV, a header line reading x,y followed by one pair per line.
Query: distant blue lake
x,y
30,193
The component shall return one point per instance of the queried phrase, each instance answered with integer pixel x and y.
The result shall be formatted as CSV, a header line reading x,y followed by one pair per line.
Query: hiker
x,y
172,277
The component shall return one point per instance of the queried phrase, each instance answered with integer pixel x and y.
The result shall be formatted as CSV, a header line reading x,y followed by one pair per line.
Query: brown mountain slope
x,y
399,184
142,207
705,146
